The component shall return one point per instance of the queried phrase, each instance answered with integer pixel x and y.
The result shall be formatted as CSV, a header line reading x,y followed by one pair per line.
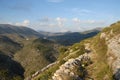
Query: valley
x,y
30,50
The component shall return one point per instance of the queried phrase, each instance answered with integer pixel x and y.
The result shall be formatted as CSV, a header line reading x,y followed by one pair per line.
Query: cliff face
x,y
96,58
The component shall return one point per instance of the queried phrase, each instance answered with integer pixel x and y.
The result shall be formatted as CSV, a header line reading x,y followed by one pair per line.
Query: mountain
x,y
18,31
50,34
69,38
95,58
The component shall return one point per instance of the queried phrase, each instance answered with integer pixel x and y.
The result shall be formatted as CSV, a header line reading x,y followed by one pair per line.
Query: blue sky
x,y
60,15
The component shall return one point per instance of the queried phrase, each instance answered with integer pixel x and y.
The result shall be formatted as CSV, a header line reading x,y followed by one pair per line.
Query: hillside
x,y
21,30
96,58
8,46
36,54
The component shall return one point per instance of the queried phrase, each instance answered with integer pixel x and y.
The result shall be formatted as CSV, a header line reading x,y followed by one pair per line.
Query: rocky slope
x,y
114,55
74,68
95,58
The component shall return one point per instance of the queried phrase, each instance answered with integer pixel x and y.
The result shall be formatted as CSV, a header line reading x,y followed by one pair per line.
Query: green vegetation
x,y
46,75
63,52
10,69
115,27
46,48
100,65
77,50
36,54
8,46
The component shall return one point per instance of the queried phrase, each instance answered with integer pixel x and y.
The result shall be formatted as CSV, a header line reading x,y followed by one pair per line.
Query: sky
x,y
60,15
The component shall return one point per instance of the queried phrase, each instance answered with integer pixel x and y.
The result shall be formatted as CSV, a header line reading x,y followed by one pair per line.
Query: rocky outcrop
x,y
74,68
114,55
68,70
113,52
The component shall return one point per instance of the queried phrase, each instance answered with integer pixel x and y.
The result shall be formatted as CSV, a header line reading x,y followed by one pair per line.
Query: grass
x,y
100,66
77,50
115,27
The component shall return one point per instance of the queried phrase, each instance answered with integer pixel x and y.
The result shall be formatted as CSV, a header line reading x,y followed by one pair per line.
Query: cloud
x,y
46,21
52,22
82,25
61,21
24,23
61,24
76,20
55,1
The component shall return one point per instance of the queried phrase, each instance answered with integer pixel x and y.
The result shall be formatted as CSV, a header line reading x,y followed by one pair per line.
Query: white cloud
x,y
60,21
60,24
52,22
55,1
24,23
76,20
